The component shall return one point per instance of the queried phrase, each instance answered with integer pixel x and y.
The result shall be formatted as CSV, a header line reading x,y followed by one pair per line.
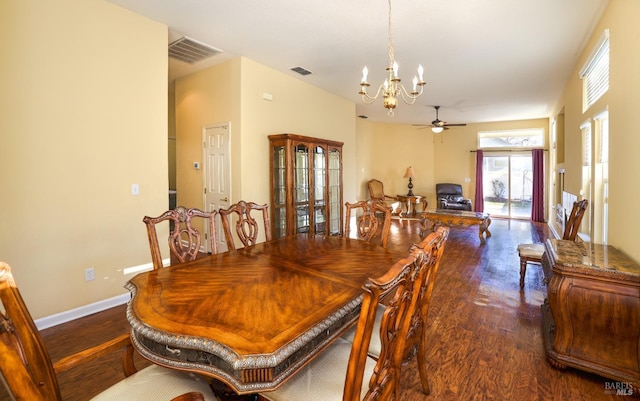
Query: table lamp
x,y
410,174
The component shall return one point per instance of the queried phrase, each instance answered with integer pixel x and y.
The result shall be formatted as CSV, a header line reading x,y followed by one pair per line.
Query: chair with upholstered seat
x,y
247,228
344,371
532,253
184,239
367,223
432,245
376,192
30,375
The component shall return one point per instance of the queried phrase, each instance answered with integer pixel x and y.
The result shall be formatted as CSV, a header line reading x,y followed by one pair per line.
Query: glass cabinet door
x,y
279,192
335,206
301,188
319,189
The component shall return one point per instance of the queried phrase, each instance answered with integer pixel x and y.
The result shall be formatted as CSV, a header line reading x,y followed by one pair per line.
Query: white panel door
x,y
217,175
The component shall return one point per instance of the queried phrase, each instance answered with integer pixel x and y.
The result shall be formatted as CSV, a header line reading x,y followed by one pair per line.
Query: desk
x,y
410,202
591,318
458,218
253,316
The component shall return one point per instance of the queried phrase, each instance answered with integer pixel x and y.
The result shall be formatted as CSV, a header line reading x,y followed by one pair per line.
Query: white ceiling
x,y
484,60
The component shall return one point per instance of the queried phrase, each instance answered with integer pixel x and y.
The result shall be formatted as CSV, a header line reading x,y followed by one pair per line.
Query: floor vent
x,y
191,51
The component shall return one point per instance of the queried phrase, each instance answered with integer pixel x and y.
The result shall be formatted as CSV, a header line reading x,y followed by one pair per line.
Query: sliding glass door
x,y
508,184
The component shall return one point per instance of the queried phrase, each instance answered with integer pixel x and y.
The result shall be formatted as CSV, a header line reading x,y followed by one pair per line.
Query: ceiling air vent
x,y
301,70
191,51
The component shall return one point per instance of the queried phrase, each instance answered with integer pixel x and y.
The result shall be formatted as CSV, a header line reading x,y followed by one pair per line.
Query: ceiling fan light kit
x,y
392,90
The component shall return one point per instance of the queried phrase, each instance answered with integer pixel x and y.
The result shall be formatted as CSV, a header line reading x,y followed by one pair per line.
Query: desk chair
x,y
247,228
432,245
184,239
344,371
30,375
532,253
367,222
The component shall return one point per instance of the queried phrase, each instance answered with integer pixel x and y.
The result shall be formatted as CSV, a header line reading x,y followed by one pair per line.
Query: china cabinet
x,y
306,185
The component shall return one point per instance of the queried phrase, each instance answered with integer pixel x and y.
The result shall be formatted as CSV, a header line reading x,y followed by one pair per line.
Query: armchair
x,y
449,196
376,192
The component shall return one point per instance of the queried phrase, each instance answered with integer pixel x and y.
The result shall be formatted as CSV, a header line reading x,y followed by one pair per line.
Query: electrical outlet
x,y
89,274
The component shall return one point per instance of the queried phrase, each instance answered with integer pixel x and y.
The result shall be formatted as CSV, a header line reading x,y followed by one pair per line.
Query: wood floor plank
x,y
485,334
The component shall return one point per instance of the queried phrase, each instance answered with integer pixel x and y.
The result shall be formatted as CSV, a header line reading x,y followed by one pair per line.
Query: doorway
x,y
217,174
508,184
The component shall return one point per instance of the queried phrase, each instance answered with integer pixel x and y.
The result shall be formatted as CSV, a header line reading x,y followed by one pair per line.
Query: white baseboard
x,y
86,310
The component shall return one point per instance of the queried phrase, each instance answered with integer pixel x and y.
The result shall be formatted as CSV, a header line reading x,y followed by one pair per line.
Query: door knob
x,y
224,199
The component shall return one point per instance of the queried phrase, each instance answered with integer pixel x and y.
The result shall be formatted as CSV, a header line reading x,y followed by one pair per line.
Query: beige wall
x,y
623,103
84,116
233,91
388,149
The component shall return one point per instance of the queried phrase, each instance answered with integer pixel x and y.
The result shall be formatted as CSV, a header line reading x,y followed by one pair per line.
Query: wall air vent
x,y
191,51
301,70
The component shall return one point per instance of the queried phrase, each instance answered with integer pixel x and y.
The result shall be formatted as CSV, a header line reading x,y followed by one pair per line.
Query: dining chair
x,y
344,371
433,246
367,224
30,375
185,241
247,228
532,253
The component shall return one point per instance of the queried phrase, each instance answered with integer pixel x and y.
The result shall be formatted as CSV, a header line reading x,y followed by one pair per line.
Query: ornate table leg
x,y
483,227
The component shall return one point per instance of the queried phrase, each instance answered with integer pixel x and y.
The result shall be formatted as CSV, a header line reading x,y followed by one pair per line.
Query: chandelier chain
x,y
391,55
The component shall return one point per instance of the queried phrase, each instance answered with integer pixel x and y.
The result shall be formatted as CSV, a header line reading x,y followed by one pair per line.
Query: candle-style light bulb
x,y
365,72
395,69
420,72
386,84
415,83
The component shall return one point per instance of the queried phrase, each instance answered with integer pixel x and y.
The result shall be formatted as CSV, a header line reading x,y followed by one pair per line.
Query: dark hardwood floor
x,y
486,339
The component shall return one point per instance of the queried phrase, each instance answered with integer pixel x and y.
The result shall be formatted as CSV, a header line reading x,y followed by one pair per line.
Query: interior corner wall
x,y
235,91
84,116
623,103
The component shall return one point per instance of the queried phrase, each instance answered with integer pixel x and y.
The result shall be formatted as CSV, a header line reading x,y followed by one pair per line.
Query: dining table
x,y
251,317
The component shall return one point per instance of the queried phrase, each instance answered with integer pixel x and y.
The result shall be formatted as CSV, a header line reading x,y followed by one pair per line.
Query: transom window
x,y
595,73
513,139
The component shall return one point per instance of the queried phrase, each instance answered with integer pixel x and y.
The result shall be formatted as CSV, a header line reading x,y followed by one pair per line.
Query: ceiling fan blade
x,y
455,125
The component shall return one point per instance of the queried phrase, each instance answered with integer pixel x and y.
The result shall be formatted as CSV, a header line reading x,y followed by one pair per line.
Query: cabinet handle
x,y
224,199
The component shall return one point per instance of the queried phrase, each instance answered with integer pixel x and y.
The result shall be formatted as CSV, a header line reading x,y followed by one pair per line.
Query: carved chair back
x,y
184,239
367,223
405,278
433,246
246,227
575,218
25,363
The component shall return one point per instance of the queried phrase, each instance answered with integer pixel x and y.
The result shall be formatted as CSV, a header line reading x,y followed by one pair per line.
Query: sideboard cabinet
x,y
591,319
306,185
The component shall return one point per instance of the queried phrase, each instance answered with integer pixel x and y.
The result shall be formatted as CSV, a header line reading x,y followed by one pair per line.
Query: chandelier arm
x,y
366,96
409,98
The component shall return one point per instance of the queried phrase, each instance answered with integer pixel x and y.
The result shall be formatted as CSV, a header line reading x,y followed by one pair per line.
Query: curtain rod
x,y
505,150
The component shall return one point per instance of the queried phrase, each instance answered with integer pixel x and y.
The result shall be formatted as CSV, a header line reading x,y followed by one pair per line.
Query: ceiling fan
x,y
438,126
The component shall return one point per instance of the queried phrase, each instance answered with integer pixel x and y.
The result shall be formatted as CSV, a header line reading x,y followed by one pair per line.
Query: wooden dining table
x,y
252,317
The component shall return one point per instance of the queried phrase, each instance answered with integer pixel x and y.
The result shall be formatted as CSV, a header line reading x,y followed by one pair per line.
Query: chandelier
x,y
392,90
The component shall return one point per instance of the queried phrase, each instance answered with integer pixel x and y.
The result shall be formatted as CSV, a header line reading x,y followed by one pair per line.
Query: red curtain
x,y
537,204
478,201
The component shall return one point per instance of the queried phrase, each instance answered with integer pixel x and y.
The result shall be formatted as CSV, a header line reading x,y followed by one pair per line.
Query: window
x,y
595,73
519,138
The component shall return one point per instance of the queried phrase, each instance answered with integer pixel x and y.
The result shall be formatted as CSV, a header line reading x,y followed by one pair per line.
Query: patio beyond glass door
x,y
508,185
